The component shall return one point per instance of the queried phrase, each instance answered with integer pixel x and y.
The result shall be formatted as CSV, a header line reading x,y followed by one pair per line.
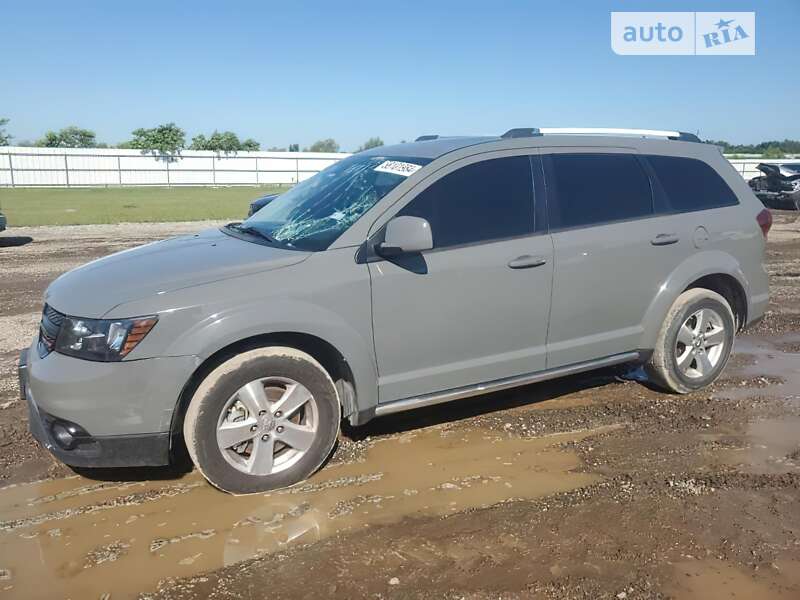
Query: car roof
x,y
434,148
430,148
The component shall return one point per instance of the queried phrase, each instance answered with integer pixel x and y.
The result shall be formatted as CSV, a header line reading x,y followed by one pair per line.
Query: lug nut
x,y
253,427
280,429
265,437
279,414
261,413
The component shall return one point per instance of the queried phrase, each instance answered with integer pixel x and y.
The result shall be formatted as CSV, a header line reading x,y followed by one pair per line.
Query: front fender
x,y
713,262
329,298
215,332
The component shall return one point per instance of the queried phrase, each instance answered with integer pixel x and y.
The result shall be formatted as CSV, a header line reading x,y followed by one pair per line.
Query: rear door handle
x,y
664,239
526,261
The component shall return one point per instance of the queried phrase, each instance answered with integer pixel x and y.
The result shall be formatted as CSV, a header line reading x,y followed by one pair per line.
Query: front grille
x,y
48,330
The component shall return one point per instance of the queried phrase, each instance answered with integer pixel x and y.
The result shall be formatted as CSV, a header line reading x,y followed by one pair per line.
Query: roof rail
x,y
660,133
426,138
518,132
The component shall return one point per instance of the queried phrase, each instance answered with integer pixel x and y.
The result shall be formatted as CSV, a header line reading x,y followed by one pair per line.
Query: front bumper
x,y
66,433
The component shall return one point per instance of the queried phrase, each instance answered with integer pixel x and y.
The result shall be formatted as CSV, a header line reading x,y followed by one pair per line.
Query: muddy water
x,y
771,446
717,580
768,446
86,538
771,362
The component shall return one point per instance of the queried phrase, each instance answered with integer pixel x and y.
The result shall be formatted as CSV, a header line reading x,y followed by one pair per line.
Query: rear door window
x,y
691,184
593,188
488,200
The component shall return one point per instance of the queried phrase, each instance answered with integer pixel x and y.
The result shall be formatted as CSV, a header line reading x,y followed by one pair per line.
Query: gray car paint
x,y
469,319
490,320
161,267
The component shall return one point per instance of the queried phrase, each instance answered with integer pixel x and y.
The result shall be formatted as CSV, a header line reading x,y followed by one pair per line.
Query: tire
x,y
268,450
678,364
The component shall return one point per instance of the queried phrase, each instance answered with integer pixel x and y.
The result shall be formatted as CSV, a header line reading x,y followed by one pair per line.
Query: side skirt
x,y
502,384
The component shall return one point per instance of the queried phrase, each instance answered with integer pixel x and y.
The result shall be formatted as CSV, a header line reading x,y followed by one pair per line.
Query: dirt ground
x,y
595,486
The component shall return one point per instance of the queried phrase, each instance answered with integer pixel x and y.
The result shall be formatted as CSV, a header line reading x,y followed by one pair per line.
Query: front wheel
x,y
694,343
264,419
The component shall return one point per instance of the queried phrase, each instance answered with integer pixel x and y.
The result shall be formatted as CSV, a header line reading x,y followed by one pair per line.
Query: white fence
x,y
78,167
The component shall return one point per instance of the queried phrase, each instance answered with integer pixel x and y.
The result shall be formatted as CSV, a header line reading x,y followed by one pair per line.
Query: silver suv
x,y
400,277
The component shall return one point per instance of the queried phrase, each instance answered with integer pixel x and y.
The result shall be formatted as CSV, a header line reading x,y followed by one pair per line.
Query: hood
x,y
97,287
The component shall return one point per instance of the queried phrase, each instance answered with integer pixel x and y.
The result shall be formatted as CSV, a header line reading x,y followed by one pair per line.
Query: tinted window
x,y
691,184
584,189
484,201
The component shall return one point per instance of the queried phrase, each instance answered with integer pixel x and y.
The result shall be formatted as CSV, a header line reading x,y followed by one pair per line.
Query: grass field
x,y
83,206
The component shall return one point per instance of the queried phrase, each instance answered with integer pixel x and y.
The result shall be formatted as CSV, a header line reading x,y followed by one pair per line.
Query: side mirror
x,y
406,235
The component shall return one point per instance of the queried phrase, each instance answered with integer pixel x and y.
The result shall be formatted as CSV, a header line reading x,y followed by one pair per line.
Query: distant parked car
x,y
779,186
259,203
2,222
790,169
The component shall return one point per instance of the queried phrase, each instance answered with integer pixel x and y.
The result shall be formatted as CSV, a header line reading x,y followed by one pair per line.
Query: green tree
x,y
250,145
199,142
373,142
772,147
5,137
166,139
225,141
773,152
69,137
326,145
294,147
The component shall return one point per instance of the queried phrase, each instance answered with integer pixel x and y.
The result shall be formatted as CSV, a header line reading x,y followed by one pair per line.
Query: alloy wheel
x,y
267,425
700,343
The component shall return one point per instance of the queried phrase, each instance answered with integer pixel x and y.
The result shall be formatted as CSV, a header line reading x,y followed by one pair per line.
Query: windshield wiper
x,y
237,226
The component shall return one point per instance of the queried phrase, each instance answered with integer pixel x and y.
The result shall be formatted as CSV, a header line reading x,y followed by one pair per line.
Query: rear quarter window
x,y
691,184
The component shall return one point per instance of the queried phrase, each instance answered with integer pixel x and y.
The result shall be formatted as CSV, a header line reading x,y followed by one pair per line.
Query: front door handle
x,y
664,239
526,261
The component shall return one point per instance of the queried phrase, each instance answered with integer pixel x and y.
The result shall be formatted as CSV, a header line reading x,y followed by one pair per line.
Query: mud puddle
x,y
717,580
770,446
88,538
779,369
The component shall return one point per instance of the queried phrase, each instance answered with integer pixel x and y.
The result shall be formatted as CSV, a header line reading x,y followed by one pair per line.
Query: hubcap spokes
x,y
267,425
700,343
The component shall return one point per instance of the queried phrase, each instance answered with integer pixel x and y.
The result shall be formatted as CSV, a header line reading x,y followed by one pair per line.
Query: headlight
x,y
102,339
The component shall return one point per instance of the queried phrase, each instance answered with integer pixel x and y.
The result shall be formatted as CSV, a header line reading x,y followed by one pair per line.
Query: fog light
x,y
63,436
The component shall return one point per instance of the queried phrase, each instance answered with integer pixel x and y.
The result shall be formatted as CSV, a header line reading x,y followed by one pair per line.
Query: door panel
x,y
475,308
471,318
612,252
606,277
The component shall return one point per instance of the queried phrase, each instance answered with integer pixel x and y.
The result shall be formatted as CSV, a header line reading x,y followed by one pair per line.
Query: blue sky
x,y
289,72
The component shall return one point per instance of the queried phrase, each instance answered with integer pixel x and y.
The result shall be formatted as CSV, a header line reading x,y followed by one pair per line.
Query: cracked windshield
x,y
317,211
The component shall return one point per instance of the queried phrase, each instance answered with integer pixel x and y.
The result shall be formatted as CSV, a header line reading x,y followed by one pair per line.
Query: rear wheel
x,y
694,343
265,419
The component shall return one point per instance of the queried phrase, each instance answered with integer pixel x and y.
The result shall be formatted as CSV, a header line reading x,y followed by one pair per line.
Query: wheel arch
x,y
720,273
728,287
331,359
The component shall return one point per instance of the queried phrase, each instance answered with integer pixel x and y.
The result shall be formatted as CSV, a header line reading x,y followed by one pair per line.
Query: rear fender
x,y
713,262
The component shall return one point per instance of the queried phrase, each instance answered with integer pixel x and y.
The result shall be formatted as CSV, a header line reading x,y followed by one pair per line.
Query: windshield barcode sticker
x,y
397,167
